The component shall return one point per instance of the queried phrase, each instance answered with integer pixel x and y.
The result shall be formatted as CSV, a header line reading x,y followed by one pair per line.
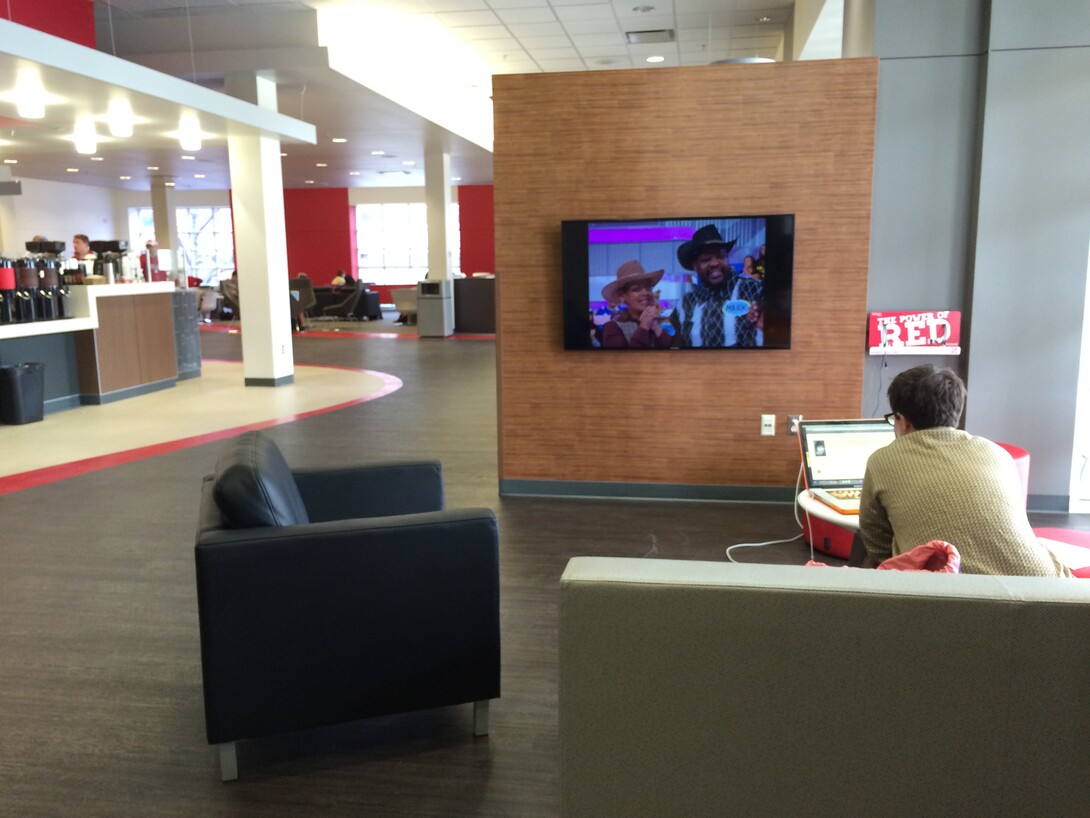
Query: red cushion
x,y
1067,535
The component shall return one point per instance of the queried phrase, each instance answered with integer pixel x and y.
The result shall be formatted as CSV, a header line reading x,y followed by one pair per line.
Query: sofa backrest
x,y
699,688
253,485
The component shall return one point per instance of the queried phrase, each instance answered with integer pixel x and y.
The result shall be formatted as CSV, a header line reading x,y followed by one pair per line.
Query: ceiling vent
x,y
662,35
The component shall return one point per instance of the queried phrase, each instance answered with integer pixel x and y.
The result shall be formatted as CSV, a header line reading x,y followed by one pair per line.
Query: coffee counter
x,y
83,305
118,344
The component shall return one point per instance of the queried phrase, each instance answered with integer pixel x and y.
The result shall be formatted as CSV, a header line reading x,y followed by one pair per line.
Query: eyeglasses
x,y
891,418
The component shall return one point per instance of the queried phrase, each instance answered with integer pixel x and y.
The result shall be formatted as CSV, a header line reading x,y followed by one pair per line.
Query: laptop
x,y
834,457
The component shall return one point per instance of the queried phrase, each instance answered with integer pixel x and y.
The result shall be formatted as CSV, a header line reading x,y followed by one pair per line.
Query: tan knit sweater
x,y
945,484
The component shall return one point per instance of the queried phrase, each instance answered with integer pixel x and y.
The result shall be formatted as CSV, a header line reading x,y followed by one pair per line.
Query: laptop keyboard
x,y
845,494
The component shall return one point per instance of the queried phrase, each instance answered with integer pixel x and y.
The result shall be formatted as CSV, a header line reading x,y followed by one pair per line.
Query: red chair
x,y
1021,462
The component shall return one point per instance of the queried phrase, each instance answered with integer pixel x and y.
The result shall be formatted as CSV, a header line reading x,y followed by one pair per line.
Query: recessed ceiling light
x,y
764,19
198,175
190,158
124,178
378,153
656,58
409,163
98,158
455,178
339,139
72,170
321,165
168,184
309,182
353,173
153,167
11,161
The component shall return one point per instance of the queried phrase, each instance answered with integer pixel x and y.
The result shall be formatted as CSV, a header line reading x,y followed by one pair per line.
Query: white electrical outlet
x,y
793,424
768,424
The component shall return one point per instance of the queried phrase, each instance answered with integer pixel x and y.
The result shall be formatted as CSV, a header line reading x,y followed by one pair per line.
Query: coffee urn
x,y
26,290
49,296
7,291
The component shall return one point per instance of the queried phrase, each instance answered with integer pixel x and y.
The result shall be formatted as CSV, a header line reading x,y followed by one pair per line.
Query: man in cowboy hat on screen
x,y
710,313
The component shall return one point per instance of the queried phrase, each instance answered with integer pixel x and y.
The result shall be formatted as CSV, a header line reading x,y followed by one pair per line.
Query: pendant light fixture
x,y
189,132
84,135
119,117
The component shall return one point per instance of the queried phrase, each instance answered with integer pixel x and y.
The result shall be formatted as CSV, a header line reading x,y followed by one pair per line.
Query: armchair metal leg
x,y
228,761
480,718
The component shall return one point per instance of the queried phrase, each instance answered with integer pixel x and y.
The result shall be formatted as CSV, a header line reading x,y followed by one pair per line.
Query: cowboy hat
x,y
705,238
629,273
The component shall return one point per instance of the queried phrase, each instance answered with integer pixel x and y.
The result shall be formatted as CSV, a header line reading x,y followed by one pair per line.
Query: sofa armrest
x,y
384,489
317,624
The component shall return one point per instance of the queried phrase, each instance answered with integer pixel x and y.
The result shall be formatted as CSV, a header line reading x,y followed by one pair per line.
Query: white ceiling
x,y
204,40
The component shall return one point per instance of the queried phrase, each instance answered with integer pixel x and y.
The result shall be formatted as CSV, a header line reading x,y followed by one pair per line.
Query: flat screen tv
x,y
719,282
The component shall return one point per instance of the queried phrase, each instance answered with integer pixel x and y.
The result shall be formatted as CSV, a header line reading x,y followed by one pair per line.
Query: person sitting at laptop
x,y
936,482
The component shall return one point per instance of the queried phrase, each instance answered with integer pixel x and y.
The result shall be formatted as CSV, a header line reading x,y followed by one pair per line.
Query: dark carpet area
x,y
100,689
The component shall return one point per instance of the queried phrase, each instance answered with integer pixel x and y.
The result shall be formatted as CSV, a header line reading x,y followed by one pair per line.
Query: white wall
x,y
56,210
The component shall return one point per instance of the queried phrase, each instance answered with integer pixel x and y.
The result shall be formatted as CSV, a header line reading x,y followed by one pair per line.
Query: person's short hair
x,y
82,237
928,397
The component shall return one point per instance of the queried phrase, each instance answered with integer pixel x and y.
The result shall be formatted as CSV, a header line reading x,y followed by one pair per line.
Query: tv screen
x,y
721,282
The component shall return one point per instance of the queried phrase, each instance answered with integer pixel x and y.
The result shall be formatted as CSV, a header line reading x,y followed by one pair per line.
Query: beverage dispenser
x,y
26,290
49,290
7,291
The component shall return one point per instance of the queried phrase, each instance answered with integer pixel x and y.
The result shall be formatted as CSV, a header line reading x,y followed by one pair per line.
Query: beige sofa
x,y
698,688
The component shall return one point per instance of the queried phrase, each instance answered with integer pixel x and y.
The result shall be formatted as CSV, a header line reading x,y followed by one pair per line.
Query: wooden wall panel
x,y
707,141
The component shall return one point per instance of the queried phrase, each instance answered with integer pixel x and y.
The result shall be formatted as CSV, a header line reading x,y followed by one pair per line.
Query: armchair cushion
x,y
371,491
254,487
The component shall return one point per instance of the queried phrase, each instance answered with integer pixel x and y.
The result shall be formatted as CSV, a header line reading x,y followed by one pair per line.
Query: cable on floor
x,y
798,486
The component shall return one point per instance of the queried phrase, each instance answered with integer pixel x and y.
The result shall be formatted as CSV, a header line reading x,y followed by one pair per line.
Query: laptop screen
x,y
835,452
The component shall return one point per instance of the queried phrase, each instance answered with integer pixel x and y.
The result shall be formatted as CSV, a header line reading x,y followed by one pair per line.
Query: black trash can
x,y
22,393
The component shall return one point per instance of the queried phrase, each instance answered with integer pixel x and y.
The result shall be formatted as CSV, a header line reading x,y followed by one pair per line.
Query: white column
x,y
165,218
437,197
261,255
858,40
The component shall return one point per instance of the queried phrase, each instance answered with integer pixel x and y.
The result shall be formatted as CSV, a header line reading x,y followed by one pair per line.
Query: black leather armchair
x,y
326,596
347,307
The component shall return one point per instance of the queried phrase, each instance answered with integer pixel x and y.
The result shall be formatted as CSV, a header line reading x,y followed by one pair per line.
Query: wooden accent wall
x,y
709,141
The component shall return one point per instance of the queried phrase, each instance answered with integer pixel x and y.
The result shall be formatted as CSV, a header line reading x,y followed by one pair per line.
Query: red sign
x,y
915,333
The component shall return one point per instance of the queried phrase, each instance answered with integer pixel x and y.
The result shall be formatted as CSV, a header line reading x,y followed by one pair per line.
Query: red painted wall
x,y
71,19
478,233
321,233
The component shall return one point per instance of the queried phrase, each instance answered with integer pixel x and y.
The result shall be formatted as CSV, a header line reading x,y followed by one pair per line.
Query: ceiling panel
x,y
511,36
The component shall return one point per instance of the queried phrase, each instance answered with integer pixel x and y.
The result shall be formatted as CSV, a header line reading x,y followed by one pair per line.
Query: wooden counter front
x,y
131,351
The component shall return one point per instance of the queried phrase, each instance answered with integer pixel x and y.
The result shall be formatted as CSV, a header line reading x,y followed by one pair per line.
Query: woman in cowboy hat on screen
x,y
637,323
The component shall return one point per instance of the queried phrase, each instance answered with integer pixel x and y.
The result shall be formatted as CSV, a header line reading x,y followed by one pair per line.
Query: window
x,y
392,241
205,239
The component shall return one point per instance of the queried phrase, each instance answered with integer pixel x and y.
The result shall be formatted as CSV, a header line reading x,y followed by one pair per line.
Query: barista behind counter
x,y
81,248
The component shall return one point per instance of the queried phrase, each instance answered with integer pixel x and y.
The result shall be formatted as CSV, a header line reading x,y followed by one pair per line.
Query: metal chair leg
x,y
228,761
480,718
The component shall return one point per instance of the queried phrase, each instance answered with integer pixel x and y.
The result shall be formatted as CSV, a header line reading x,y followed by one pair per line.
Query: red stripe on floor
x,y
62,471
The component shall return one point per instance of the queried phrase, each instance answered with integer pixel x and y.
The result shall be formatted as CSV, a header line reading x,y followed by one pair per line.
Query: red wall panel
x,y
71,19
321,235
478,233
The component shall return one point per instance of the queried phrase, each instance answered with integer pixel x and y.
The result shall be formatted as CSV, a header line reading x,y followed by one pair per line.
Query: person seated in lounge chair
x,y
937,482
